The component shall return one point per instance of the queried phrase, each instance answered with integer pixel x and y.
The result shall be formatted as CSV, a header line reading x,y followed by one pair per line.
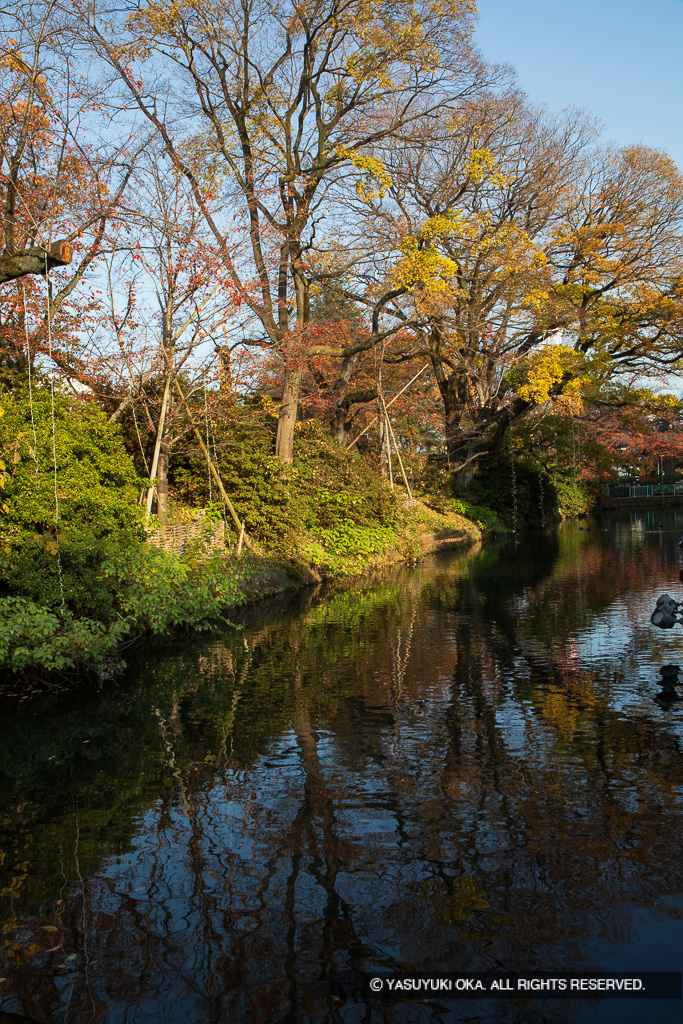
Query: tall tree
x,y
170,324
58,189
274,108
536,261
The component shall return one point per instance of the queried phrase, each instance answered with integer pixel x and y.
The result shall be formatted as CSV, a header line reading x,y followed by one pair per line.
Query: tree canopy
x,y
312,201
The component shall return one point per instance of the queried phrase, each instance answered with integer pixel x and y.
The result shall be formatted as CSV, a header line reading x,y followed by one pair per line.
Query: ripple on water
x,y
462,768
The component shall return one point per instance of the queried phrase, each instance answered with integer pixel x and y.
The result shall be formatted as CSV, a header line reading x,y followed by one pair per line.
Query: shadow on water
x,y
465,767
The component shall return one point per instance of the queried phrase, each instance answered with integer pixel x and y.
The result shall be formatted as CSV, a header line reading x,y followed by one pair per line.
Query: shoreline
x,y
258,577
272,575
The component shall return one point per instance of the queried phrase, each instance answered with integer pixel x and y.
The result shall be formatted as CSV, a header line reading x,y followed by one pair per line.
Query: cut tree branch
x,y
34,261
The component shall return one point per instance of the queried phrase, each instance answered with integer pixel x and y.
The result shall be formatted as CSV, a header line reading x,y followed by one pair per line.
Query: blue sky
x,y
620,59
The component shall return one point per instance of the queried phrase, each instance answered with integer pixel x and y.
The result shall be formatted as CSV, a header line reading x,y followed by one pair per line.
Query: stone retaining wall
x,y
658,500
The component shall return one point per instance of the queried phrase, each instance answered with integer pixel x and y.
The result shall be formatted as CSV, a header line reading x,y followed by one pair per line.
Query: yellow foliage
x,y
370,165
14,60
505,250
546,368
395,29
422,263
480,166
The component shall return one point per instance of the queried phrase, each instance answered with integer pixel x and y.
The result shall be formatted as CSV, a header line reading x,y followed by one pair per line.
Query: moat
x,y
468,766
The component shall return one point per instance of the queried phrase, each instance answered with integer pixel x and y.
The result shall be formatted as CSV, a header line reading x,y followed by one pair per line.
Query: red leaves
x,y
639,444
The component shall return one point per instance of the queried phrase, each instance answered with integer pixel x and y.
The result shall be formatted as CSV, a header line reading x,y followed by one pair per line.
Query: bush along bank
x,y
79,582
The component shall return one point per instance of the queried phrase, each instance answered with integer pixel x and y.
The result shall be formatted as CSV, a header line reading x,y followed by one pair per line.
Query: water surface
x,y
464,767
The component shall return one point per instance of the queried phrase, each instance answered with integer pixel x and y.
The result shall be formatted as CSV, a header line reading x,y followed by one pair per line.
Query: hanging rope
x,y
54,431
514,497
208,459
30,382
142,450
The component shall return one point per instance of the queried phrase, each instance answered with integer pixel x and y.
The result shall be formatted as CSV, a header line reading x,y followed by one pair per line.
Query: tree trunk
x,y
157,447
340,422
462,470
461,442
162,482
284,443
338,425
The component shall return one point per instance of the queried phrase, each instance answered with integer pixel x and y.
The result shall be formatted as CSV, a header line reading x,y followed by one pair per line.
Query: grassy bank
x,y
77,592
139,590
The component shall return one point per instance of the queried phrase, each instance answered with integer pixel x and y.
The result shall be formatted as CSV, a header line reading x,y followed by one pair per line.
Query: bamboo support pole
x,y
389,403
157,446
398,454
214,472
388,440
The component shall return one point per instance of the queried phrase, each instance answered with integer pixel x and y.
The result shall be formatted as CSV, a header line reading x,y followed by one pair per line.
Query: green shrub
x,y
286,507
33,639
58,525
346,548
485,518
131,588
93,490
76,576
571,499
156,591
516,490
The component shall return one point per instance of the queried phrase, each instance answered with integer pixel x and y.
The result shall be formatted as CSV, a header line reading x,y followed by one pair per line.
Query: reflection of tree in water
x,y
392,778
578,796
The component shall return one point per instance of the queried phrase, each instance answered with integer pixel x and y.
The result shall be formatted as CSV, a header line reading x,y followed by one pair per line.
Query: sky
x,y
620,59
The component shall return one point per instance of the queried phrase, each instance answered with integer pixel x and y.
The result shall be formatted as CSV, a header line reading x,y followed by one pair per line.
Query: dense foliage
x,y
329,508
76,576
367,271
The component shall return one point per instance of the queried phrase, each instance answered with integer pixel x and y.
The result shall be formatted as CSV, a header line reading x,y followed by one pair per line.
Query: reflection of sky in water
x,y
616,643
622,641
511,720
471,790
